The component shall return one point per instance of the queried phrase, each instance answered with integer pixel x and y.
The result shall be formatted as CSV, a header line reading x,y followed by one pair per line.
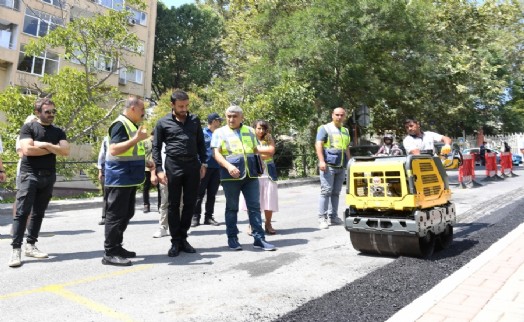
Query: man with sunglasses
x,y
40,143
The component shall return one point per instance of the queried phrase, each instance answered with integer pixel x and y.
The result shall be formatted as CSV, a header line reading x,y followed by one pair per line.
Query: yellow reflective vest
x,y
127,168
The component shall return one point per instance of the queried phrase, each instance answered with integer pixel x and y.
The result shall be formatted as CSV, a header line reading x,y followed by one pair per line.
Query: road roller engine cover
x,y
399,205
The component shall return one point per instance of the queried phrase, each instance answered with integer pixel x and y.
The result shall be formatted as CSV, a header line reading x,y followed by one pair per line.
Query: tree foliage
x,y
187,47
84,99
445,62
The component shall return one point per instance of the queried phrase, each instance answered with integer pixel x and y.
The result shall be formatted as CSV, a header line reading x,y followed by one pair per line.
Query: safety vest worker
x,y
126,169
336,144
238,148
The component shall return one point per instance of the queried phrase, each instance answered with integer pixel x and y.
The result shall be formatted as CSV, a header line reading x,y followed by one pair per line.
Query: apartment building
x,y
23,20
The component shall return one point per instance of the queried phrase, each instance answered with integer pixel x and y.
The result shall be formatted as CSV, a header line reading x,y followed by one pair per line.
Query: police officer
x,y
124,172
332,148
234,148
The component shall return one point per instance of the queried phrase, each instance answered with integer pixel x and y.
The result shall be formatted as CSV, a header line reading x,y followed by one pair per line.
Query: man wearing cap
x,y
211,180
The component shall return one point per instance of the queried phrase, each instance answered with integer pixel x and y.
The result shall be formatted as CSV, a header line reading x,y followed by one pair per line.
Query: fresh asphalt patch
x,y
383,292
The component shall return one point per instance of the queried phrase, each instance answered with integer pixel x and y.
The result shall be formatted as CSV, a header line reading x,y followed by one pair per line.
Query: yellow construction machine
x,y
400,205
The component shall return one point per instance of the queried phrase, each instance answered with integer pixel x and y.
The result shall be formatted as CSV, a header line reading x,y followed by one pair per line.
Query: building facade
x,y
21,21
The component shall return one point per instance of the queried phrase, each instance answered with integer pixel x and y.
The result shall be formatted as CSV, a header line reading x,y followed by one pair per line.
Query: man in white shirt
x,y
418,140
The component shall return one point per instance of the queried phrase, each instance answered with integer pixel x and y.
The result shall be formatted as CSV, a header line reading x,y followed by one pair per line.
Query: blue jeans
x,y
250,189
331,182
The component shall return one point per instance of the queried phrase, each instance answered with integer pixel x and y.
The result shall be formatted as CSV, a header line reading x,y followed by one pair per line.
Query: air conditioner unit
x,y
131,21
122,81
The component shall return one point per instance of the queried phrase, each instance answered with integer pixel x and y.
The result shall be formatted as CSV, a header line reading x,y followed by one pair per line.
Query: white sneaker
x,y
16,259
32,251
322,223
161,232
335,221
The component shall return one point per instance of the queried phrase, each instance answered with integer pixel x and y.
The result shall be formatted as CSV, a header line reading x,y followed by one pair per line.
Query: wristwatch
x,y
204,165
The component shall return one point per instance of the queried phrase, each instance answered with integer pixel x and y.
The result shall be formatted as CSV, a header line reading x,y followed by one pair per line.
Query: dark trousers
x,y
35,192
120,208
147,187
181,177
209,183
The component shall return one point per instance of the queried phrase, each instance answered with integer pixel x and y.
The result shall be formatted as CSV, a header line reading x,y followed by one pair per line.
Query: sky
x,y
175,3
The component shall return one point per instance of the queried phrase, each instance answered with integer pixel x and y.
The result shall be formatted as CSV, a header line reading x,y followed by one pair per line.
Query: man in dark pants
x,y
40,143
184,167
124,172
211,180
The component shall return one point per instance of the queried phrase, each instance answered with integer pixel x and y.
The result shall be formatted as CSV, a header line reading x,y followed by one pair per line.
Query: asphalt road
x,y
312,276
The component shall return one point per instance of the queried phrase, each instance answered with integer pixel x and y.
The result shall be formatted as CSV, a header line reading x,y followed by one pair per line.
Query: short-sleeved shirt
x,y
424,142
43,133
219,136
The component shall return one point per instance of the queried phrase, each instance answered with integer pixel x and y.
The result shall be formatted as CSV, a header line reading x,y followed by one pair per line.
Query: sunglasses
x,y
50,112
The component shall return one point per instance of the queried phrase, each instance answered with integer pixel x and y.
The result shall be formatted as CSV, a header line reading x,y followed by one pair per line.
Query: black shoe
x,y
116,261
195,221
102,221
146,209
211,221
125,253
174,250
186,247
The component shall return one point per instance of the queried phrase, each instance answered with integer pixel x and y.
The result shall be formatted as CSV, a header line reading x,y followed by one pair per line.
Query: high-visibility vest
x,y
336,145
239,151
127,168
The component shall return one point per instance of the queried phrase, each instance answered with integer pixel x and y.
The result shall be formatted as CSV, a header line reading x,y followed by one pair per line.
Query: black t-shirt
x,y
42,133
118,133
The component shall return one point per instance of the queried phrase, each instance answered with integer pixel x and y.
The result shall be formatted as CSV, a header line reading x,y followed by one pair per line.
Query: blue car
x,y
516,159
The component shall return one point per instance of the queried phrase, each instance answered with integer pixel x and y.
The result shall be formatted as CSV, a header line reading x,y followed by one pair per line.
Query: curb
x,y
76,204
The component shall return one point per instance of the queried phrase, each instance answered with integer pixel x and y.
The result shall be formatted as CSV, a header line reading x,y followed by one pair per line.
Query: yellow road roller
x,y
400,205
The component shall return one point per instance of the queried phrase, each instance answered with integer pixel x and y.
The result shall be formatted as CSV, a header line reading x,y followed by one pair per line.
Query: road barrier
x,y
466,174
491,168
506,165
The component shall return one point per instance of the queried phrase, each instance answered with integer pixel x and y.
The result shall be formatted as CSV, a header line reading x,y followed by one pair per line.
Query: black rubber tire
x,y
445,238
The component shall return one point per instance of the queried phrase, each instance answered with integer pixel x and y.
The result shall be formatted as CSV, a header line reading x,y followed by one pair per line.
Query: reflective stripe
x,y
336,144
127,168
239,151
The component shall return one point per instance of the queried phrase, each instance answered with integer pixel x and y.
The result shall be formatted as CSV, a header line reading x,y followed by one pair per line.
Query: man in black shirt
x,y
40,143
184,167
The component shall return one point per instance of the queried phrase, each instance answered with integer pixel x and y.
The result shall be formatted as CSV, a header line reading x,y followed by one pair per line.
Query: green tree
x,y
86,103
187,47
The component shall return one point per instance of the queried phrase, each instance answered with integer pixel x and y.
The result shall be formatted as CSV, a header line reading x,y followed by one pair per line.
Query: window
x,y
103,63
13,4
45,63
112,4
138,16
132,75
56,3
39,23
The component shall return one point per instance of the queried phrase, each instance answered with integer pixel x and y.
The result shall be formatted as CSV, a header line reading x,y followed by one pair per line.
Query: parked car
x,y
476,151
516,159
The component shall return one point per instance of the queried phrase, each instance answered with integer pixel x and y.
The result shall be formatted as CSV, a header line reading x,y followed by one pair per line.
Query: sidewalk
x,y
489,288
75,204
